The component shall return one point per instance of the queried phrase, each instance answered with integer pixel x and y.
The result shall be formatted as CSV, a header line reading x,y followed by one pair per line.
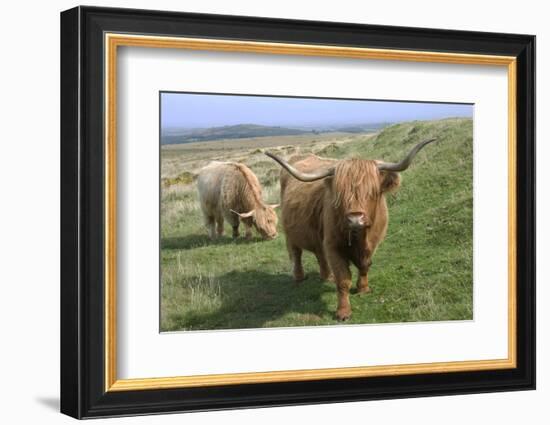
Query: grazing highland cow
x,y
231,191
337,210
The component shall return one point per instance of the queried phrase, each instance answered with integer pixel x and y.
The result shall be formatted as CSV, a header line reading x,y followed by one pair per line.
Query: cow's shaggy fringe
x,y
355,180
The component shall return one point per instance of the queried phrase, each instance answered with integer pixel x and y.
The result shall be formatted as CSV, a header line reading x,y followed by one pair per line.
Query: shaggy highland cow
x,y
231,191
337,210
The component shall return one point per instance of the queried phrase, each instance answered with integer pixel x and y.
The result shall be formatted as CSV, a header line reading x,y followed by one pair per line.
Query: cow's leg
x,y
248,228
363,280
219,225
235,231
342,276
234,221
295,254
209,222
324,269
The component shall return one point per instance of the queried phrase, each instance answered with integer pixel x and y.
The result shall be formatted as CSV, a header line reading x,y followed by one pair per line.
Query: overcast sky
x,y
205,110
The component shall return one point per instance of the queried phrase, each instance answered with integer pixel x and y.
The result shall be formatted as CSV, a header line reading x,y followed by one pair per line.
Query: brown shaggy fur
x,y
228,188
315,219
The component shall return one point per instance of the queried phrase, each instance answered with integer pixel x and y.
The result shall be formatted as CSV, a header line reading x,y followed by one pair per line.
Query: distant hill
x,y
362,128
174,136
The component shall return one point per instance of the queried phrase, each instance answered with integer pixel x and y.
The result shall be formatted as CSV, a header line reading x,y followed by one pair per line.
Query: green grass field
x,y
421,272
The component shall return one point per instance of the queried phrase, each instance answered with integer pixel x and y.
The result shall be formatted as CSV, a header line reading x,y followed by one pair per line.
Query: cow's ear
x,y
389,181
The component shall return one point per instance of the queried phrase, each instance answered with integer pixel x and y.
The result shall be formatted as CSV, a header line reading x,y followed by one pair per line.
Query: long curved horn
x,y
305,177
405,162
245,214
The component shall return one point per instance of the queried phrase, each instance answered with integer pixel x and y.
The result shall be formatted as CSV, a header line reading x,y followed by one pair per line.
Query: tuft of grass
x,y
184,178
421,272
329,150
270,177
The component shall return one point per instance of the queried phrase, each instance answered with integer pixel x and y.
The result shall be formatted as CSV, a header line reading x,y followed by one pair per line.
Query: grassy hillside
x,y
421,272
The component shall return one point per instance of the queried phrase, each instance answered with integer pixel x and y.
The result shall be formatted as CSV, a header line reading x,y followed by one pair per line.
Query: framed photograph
x,y
261,212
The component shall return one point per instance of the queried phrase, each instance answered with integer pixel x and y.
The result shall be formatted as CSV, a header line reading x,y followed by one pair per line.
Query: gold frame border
x,y
113,41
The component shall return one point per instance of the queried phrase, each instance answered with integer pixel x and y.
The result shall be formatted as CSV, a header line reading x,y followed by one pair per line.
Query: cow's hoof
x,y
299,278
343,314
361,291
298,274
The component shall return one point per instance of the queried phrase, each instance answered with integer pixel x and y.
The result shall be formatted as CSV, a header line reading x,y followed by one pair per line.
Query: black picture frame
x,y
83,392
